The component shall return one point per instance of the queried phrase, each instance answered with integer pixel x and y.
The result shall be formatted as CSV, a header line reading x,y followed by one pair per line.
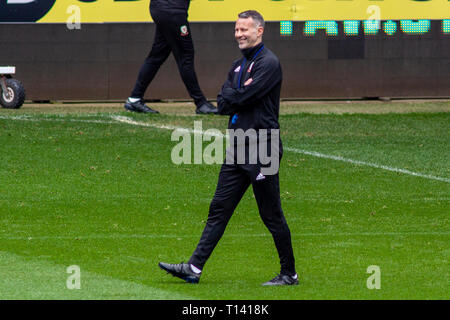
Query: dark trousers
x,y
233,182
170,38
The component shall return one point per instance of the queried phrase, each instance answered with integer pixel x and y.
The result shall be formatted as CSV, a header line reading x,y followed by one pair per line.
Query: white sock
x,y
195,269
133,100
295,276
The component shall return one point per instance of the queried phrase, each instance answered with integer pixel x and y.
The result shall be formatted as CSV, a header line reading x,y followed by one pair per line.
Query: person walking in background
x,y
173,35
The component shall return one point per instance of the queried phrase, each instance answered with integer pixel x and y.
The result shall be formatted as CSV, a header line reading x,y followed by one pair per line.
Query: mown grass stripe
x,y
37,278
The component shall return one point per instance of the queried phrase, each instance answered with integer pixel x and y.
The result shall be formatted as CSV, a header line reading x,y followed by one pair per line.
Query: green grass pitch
x,y
82,188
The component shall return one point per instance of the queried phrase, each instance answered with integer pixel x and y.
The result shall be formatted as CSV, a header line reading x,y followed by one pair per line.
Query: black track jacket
x,y
174,6
256,105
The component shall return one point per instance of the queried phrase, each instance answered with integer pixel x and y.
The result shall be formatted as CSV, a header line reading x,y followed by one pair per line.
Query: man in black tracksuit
x,y
173,34
251,97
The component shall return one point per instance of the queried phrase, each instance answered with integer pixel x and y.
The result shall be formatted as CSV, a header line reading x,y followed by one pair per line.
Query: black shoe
x,y
182,271
282,280
206,108
138,106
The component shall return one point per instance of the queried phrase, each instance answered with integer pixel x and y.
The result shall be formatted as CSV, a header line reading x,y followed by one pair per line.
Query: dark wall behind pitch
x,y
101,61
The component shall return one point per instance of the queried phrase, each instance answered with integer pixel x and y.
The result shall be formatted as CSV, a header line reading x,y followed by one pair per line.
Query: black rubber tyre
x,y
16,93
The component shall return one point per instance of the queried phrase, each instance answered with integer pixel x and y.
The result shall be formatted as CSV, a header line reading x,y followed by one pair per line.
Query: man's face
x,y
247,34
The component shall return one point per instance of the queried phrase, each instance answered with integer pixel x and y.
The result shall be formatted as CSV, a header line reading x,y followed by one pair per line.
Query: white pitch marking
x,y
127,120
159,236
310,153
28,118
158,126
367,164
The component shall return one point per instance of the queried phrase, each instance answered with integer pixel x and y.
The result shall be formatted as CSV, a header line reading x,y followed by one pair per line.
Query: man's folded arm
x,y
264,79
224,107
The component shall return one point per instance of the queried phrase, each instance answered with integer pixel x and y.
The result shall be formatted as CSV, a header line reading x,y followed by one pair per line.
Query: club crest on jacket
x,y
184,31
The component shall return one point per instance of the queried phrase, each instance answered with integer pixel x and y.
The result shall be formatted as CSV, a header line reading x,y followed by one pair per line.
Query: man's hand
x,y
248,82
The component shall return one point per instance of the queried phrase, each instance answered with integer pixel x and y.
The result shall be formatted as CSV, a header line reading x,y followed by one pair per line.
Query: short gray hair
x,y
255,15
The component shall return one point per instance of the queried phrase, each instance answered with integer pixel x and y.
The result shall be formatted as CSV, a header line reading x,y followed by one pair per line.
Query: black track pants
x,y
169,38
234,180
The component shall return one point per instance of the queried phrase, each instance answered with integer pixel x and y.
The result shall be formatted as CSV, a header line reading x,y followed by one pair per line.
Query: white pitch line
x,y
367,164
145,124
27,118
240,235
165,127
122,119
310,153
